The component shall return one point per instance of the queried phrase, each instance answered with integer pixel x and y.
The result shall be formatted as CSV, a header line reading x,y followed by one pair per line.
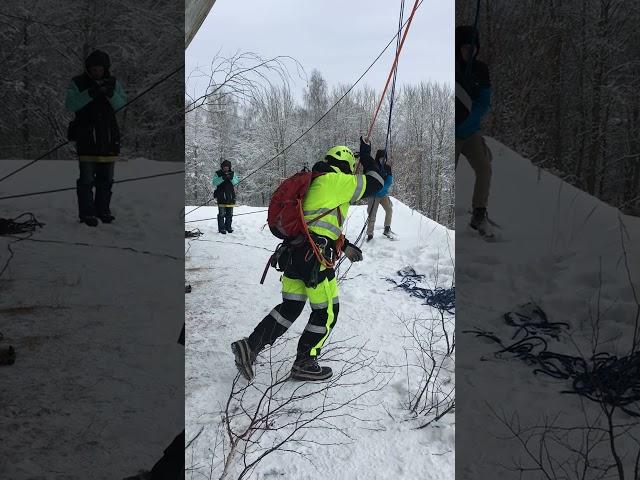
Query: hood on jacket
x,y
466,35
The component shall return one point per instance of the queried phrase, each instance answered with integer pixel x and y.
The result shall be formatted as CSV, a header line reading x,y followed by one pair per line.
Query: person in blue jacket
x,y
473,101
224,180
381,198
94,96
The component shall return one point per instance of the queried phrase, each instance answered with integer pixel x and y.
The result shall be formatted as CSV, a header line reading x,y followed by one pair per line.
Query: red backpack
x,y
285,217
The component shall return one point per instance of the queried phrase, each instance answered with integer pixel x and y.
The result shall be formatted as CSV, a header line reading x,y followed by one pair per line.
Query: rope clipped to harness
x,y
306,236
314,246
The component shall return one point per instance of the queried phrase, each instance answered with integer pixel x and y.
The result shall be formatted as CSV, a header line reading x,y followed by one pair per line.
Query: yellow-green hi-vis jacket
x,y
328,193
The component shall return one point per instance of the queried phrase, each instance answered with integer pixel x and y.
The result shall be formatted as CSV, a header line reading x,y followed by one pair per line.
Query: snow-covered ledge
x,y
195,11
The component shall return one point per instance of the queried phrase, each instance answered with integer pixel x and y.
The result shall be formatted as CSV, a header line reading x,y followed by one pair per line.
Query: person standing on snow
x,y
473,100
94,96
381,198
304,276
224,180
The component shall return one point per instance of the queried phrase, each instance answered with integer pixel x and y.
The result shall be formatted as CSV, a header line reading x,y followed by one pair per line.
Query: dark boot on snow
x,y
7,355
480,222
308,369
91,221
245,358
369,237
106,217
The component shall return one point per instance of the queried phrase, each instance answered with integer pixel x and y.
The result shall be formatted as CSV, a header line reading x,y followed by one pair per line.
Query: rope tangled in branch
x,y
444,299
603,378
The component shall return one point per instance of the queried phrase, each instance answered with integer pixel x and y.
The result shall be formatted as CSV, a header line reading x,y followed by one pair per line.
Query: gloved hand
x,y
352,252
365,148
103,88
94,92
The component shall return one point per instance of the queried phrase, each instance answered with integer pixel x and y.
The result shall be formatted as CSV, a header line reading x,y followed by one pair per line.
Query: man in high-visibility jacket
x,y
304,276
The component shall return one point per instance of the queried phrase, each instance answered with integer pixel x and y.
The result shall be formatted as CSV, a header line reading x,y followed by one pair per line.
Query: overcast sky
x,y
340,38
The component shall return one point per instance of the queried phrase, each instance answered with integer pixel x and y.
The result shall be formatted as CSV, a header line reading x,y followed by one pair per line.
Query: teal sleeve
x,y
235,180
119,98
75,98
216,180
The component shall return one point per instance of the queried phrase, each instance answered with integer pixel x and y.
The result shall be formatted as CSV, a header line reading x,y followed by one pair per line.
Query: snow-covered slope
x,y
226,303
94,327
559,247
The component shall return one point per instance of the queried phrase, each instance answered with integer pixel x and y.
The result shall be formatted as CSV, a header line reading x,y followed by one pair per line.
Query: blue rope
x,y
444,299
387,142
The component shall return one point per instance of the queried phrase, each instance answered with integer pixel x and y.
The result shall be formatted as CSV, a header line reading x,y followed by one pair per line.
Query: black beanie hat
x,y
467,35
98,57
225,163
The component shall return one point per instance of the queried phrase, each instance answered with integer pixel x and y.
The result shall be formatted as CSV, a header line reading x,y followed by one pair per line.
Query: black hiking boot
x,y
106,218
480,222
308,369
7,356
229,230
91,221
245,358
369,237
224,232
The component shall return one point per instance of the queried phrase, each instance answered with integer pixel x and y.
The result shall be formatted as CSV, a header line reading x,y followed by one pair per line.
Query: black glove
x,y
94,92
103,88
352,252
107,91
365,148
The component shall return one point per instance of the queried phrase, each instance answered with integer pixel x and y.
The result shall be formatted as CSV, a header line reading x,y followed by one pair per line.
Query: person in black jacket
x,y
224,180
94,96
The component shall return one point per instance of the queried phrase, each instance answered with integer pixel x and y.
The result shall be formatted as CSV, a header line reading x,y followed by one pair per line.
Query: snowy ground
x,y
226,303
558,245
96,390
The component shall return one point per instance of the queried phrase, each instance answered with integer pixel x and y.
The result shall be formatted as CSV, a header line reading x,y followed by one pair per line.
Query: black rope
x,y
37,22
603,378
443,299
387,143
318,120
11,227
58,147
534,322
134,179
114,247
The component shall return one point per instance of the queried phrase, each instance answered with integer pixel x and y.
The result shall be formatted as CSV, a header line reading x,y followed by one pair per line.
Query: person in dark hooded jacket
x,y
94,96
473,100
224,180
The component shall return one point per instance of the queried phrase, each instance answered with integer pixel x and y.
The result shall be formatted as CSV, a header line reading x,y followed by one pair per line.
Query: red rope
x,y
393,67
